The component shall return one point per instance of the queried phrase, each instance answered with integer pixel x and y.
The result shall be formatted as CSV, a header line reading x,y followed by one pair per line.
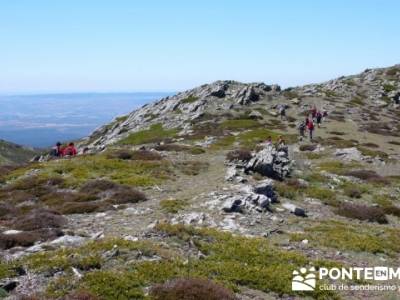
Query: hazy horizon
x,y
42,120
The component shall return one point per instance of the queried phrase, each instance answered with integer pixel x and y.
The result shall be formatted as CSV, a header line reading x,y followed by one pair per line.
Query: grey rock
x,y
271,162
266,188
349,154
294,209
68,240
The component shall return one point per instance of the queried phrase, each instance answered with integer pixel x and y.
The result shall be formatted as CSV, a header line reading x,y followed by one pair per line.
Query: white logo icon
x,y
305,280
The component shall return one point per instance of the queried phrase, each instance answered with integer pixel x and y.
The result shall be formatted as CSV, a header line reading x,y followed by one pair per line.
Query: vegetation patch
x,y
239,124
337,167
189,99
327,196
79,170
373,153
191,289
362,212
173,206
358,238
338,142
308,147
239,155
156,133
367,175
192,167
230,261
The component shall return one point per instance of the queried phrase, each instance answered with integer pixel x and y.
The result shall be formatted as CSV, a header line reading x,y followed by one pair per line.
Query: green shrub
x,y
359,238
173,206
156,133
327,196
239,124
189,99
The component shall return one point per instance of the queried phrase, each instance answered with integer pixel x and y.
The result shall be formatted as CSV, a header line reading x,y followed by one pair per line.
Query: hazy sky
x,y
116,45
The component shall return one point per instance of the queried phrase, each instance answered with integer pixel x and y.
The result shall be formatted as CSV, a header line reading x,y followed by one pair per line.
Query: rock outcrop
x,y
271,162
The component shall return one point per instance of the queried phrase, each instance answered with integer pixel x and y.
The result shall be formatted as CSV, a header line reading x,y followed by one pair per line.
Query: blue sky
x,y
150,45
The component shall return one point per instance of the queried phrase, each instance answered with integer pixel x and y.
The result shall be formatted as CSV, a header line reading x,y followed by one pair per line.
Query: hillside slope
x,y
11,153
187,187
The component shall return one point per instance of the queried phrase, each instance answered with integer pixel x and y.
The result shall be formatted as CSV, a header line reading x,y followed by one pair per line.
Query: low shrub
x,y
57,198
38,219
171,147
239,154
120,154
173,205
327,196
362,212
192,167
156,133
27,238
189,99
97,186
191,289
370,145
125,195
308,147
83,207
81,295
145,155
367,175
239,124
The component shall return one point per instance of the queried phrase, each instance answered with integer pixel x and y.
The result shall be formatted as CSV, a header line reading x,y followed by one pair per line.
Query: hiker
x,y
281,145
307,120
302,128
313,112
70,150
281,141
319,118
310,127
269,141
56,151
282,112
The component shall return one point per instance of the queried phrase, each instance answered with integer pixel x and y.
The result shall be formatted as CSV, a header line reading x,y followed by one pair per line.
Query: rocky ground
x,y
187,188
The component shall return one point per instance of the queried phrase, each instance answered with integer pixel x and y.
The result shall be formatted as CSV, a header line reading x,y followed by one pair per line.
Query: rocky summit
x,y
217,188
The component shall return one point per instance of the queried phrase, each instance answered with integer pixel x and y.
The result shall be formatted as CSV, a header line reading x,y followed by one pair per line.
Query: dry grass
x,y
191,289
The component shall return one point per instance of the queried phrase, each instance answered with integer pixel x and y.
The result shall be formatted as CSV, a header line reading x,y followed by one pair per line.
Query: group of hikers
x,y
60,150
314,116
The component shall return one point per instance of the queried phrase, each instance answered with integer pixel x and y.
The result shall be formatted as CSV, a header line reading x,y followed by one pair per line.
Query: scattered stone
x,y
297,211
68,241
349,154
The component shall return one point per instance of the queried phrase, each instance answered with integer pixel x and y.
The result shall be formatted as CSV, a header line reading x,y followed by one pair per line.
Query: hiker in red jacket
x,y
310,127
70,150
313,112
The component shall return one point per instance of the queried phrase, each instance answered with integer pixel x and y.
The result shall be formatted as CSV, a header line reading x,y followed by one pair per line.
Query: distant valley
x,y
41,120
